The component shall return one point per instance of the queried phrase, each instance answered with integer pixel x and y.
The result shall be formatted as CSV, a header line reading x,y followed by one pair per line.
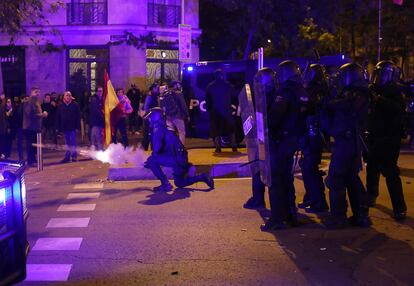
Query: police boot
x,y
272,225
305,203
164,187
217,144
371,201
252,204
360,221
317,208
335,222
400,216
208,180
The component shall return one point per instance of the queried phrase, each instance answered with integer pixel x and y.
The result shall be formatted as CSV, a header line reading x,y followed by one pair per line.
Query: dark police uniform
x,y
349,118
312,147
168,151
385,130
285,127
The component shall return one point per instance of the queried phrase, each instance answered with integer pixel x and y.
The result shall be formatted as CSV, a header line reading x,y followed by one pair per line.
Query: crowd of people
x,y
365,120
55,116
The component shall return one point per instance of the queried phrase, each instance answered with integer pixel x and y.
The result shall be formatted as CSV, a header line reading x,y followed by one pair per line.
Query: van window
x,y
203,79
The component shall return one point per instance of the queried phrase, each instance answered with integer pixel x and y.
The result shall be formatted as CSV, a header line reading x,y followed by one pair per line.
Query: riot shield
x,y
262,128
249,127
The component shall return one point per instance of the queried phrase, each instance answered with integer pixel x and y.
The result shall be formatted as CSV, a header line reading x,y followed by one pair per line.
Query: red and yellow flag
x,y
111,101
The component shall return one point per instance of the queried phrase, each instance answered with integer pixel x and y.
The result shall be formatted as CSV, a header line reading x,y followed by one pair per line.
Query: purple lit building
x,y
94,35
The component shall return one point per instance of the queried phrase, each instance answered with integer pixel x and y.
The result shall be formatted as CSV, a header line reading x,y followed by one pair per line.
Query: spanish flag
x,y
111,101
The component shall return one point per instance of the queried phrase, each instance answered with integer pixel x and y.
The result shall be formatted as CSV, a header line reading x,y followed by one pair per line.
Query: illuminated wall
x,y
82,26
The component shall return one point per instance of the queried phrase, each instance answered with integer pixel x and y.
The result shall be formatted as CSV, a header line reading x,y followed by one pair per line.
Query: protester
x,y
122,110
68,121
151,101
3,125
49,125
8,138
219,95
97,119
175,109
134,120
32,123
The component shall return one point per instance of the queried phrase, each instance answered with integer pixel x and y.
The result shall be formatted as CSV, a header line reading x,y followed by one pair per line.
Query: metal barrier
x,y
39,152
13,220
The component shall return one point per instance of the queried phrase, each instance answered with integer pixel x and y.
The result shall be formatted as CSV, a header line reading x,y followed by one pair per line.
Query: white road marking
x,y
48,272
58,243
88,186
83,196
76,207
68,222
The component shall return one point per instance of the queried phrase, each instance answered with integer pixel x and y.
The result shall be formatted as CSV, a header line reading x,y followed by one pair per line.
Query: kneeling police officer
x,y
168,151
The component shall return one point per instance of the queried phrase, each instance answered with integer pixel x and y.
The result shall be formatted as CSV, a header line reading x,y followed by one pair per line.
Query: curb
x,y
222,170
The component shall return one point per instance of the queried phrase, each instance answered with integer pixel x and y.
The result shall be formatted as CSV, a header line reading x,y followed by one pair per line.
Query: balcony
x,y
94,13
164,15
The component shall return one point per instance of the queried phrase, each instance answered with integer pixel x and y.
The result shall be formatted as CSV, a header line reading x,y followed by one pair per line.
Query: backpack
x,y
169,104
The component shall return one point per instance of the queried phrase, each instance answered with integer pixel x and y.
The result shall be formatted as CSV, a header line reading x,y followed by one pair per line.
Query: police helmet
x,y
288,70
349,74
266,77
315,73
385,72
155,116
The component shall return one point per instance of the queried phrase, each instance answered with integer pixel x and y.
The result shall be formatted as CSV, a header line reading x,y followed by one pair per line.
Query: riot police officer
x,y
285,127
168,151
385,127
349,111
313,141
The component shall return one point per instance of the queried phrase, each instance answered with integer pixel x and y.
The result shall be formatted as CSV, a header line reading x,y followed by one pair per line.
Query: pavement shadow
x,y
406,172
159,198
408,221
46,203
345,257
122,192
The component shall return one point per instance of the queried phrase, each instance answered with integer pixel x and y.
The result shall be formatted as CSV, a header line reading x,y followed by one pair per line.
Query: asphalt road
x,y
128,235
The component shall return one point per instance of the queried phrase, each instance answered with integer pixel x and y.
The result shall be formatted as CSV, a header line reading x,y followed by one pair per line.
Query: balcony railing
x,y
164,15
94,13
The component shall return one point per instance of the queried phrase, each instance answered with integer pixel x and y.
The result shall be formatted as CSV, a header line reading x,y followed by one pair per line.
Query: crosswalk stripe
x,y
57,243
88,186
76,207
68,222
48,272
83,195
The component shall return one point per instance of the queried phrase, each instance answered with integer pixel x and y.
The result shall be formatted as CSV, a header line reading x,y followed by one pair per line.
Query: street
x,y
84,230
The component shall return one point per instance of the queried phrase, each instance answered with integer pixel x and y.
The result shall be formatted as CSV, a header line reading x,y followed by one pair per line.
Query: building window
x,y
87,12
86,67
166,13
162,65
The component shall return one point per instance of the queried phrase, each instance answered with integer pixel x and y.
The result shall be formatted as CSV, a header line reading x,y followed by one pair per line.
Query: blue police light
x,y
3,197
343,57
190,68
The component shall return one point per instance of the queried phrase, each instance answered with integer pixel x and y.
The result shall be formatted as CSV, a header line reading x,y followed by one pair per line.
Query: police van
x,y
196,77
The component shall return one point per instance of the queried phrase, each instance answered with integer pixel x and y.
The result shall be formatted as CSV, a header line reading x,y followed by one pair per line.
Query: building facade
x,y
135,40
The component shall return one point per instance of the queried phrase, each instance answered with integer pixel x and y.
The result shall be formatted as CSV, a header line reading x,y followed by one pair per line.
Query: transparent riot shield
x,y
249,127
262,130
